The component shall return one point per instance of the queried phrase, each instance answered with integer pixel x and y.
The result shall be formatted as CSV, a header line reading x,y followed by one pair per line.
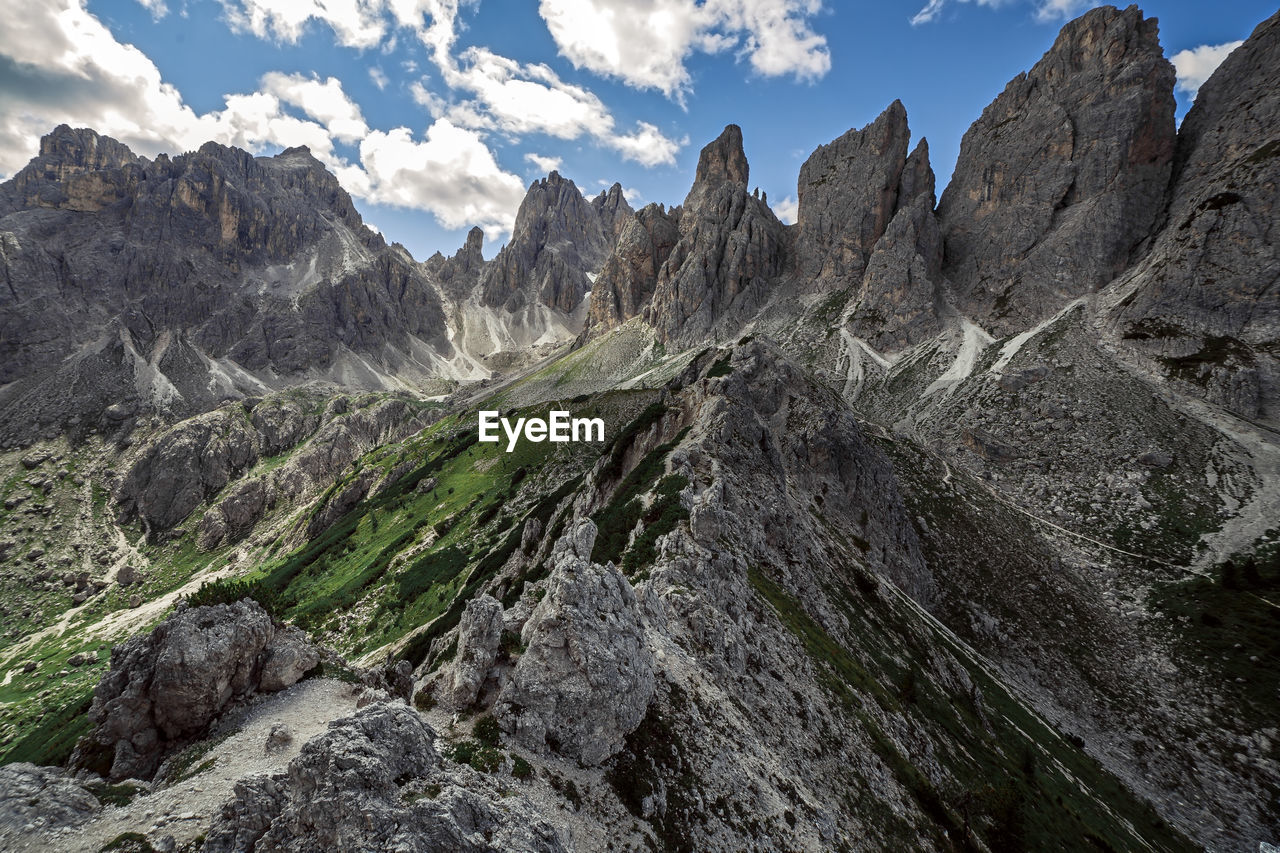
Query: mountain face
x,y
175,284
866,219
1204,303
730,246
1064,175
559,238
916,525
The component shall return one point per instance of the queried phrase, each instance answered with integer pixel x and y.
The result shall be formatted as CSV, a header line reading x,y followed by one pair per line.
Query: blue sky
x,y
436,114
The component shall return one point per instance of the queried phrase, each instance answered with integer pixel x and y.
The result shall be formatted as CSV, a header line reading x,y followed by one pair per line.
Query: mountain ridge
x,y
869,558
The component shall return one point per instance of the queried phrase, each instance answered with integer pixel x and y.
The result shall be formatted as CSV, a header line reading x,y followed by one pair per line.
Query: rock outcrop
x,y
35,799
586,677
180,282
731,246
867,227
1205,303
459,273
1064,175
168,685
203,457
479,639
359,787
559,237
630,275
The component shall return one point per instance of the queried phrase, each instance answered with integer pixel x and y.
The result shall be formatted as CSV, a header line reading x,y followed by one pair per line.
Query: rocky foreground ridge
x,y
919,524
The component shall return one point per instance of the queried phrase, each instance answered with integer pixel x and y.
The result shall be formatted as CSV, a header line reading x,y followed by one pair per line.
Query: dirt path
x,y
184,809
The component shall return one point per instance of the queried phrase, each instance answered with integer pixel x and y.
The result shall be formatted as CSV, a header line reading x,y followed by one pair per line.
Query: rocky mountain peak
x,y
1204,303
731,245
459,272
1064,174
848,191
558,238
721,161
612,208
84,149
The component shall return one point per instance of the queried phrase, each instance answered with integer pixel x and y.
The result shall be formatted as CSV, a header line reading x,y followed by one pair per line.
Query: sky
x,y
436,115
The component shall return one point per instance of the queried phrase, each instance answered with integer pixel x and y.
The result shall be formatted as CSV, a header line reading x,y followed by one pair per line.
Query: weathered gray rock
x,y
1205,303
290,655
131,277
171,683
278,738
459,273
630,274
558,238
731,246
195,459
202,457
586,676
40,799
1064,175
867,226
847,193
479,638
346,791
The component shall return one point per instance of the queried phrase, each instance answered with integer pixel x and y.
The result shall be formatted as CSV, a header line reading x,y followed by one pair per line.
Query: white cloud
x,y
357,23
645,44
1196,65
1045,10
157,8
325,102
787,210
1061,10
453,171
518,99
543,164
526,98
647,145
59,64
379,77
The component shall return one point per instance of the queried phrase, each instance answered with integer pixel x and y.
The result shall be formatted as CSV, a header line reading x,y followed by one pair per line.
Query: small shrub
x,y
486,759
424,700
520,768
720,368
231,590
486,731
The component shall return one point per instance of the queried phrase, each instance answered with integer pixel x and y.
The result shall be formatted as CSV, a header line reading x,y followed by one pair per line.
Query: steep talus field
x,y
930,522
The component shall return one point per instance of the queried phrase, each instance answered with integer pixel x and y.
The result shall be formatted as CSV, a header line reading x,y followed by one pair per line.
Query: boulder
x,y
479,638
167,686
350,789
40,798
289,656
586,677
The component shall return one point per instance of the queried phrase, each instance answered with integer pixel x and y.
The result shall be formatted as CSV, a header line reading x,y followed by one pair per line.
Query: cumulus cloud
x,y
646,44
1045,10
379,78
1061,10
326,102
1196,65
452,170
356,23
647,145
544,164
521,98
490,92
59,64
787,210
157,8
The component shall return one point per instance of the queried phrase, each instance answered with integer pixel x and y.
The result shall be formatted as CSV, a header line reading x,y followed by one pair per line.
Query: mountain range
x,y
927,522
